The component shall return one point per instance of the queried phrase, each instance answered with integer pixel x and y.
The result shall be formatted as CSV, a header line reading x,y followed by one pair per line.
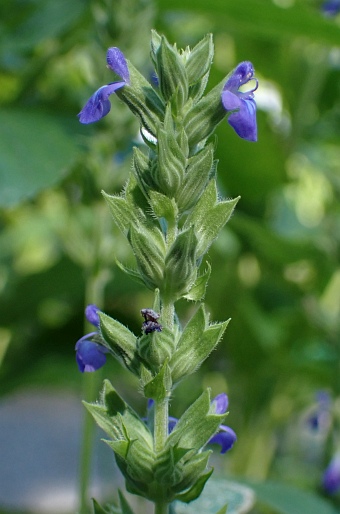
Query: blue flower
x,y
99,104
90,354
92,316
226,437
331,7
241,104
331,476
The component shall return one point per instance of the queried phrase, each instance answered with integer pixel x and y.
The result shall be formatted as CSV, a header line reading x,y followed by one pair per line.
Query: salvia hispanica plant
x,y
170,212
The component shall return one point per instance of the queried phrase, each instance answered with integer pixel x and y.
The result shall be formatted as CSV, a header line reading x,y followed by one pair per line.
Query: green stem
x,y
160,436
168,313
161,508
90,389
161,421
161,424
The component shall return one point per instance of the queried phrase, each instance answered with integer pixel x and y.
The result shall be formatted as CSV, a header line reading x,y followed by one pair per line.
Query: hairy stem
x,y
160,436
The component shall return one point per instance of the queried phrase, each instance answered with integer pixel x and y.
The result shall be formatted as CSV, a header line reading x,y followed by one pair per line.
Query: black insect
x,y
150,321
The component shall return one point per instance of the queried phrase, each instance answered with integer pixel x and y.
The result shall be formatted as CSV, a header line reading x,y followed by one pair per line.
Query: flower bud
x,y
180,265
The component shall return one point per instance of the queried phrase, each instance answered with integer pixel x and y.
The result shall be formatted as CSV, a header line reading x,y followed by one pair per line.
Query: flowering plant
x,y
171,212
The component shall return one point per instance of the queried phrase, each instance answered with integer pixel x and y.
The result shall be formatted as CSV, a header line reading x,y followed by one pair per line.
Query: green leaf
x,y
160,386
97,509
195,491
142,100
196,426
200,59
163,207
218,493
209,216
156,348
121,341
35,152
109,509
286,499
192,469
196,343
119,447
118,419
171,163
181,265
173,80
142,170
125,507
223,510
121,211
134,274
204,117
197,291
149,248
196,178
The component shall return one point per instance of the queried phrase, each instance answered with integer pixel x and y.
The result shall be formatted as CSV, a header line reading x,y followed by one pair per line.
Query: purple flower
x,y
331,7
331,476
99,104
242,104
91,313
90,354
226,437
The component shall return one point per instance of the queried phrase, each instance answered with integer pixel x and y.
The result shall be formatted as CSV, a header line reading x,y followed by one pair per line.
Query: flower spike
x,y
99,104
242,105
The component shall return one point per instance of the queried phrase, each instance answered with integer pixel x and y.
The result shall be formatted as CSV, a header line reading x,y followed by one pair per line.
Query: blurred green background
x,y
275,268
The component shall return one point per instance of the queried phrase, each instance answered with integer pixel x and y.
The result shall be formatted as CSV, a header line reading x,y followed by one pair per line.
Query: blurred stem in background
x,y
97,277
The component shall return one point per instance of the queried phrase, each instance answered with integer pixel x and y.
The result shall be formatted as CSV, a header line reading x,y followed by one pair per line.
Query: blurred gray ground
x,y
39,453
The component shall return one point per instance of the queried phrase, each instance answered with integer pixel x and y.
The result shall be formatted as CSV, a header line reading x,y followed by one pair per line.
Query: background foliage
x,y
276,266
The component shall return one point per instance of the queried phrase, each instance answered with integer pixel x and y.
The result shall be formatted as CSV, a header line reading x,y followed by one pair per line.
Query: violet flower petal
x,y
117,63
331,476
243,73
91,313
90,356
221,403
99,104
172,423
243,120
225,438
